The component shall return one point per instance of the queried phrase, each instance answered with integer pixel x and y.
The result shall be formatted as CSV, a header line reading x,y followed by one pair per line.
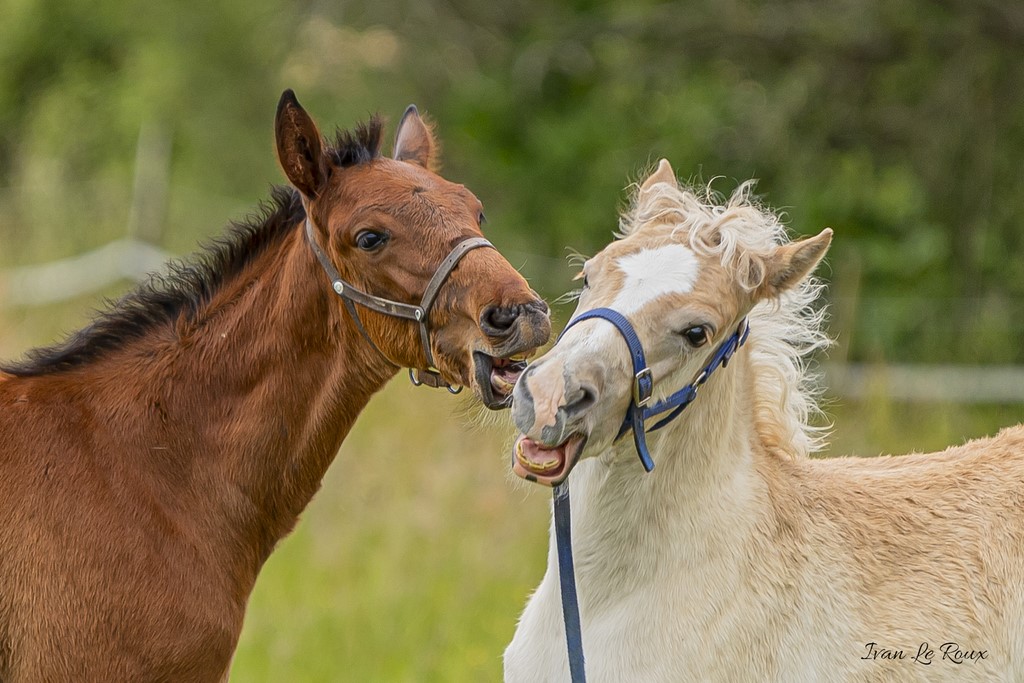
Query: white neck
x,y
626,521
656,553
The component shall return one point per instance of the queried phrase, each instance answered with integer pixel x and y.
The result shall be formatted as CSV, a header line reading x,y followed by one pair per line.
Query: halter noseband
x,y
638,412
643,382
396,309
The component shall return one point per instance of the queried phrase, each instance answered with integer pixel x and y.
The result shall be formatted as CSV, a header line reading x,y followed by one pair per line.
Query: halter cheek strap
x,y
396,309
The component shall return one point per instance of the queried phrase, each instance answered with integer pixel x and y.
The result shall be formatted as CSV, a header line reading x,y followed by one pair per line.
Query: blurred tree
x,y
898,123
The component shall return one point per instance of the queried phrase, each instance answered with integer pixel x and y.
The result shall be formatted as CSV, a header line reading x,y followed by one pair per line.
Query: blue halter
x,y
640,409
637,414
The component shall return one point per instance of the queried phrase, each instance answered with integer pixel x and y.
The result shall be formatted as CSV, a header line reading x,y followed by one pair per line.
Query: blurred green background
x,y
899,123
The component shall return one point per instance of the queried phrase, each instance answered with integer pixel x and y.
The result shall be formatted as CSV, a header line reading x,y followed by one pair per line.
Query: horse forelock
x,y
360,145
785,332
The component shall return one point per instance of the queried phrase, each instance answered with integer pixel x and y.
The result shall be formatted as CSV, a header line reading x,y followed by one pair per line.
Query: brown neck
x,y
239,414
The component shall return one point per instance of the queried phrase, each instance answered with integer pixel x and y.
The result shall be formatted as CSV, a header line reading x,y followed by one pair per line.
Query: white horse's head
x,y
684,273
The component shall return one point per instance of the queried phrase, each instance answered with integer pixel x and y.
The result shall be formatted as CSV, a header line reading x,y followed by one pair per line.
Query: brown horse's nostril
x,y
496,321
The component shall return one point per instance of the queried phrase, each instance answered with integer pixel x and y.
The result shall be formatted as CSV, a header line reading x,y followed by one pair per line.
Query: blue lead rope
x,y
636,416
567,584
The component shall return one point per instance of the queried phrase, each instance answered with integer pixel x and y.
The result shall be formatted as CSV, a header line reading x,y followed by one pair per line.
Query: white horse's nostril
x,y
583,397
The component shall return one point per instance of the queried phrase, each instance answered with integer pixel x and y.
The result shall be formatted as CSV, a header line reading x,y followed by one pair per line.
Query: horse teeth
x,y
545,466
522,459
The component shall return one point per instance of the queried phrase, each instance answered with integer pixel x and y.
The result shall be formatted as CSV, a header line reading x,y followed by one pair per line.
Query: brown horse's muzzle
x,y
516,329
513,334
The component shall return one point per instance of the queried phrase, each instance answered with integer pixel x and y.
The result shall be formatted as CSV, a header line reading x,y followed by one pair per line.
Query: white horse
x,y
740,558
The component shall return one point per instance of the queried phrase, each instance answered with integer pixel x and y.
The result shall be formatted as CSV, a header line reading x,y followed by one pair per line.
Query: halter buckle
x,y
431,377
641,394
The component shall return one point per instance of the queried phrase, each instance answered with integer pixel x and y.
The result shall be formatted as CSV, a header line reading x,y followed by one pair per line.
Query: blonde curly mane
x,y
785,332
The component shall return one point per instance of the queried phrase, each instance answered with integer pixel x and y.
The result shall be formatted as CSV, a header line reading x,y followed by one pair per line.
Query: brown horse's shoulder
x,y
126,577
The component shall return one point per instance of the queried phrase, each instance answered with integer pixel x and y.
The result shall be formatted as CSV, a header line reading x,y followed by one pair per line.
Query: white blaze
x,y
671,269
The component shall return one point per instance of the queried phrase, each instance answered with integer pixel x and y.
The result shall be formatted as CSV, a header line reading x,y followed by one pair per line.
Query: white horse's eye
x,y
696,336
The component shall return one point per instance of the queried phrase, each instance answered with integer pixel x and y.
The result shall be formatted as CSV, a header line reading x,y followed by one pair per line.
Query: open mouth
x,y
496,378
544,465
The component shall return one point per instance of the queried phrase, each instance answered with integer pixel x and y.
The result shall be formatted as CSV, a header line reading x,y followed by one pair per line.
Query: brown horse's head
x,y
387,225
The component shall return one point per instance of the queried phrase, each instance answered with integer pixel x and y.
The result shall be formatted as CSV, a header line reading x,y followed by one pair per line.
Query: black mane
x,y
182,290
188,285
359,146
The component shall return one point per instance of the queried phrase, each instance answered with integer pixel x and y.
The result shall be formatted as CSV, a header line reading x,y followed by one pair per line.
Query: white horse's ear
x,y
663,174
791,263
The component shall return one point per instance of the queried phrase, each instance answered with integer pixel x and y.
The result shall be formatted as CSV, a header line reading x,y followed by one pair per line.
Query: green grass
x,y
416,557
413,561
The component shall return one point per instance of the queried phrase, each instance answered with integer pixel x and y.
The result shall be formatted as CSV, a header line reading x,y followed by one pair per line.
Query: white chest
x,y
658,631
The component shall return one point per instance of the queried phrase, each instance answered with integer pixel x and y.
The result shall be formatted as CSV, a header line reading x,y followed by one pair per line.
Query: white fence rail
x,y
77,275
928,383
129,258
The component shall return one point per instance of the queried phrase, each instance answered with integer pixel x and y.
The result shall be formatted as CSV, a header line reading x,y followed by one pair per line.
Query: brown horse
x,y
150,463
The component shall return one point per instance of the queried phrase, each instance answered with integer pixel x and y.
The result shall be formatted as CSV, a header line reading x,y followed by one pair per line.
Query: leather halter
x,y
638,412
396,309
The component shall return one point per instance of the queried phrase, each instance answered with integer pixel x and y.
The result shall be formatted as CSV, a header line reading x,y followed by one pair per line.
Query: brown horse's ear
x,y
791,263
414,140
299,147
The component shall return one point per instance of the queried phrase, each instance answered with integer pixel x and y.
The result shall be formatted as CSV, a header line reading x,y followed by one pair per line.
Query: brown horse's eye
x,y
696,336
371,240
